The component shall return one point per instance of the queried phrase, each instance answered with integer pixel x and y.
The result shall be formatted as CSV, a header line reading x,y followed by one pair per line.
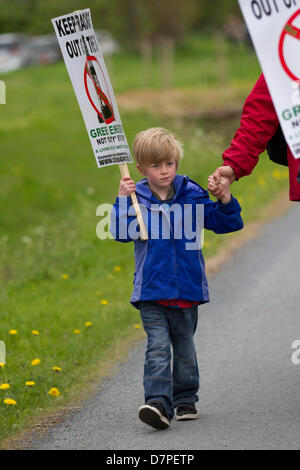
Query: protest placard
x,y
274,26
94,92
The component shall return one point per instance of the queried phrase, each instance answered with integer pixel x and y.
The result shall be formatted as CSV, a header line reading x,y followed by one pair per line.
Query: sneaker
x,y
153,413
186,411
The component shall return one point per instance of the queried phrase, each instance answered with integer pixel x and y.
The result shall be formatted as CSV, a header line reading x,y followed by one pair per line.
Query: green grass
x,y
50,188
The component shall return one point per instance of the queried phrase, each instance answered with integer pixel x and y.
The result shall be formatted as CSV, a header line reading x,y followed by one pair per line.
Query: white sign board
x,y
89,77
274,26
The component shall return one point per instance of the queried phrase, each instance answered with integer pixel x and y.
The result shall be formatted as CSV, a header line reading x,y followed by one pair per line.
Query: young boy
x,y
169,279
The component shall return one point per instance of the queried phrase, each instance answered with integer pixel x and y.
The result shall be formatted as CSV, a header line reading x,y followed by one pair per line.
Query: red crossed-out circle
x,y
102,95
289,30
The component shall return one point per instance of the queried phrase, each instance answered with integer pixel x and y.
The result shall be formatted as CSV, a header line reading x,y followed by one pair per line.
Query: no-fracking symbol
x,y
105,110
289,30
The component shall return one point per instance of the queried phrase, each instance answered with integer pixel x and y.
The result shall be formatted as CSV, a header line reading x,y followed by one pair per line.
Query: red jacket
x,y
259,123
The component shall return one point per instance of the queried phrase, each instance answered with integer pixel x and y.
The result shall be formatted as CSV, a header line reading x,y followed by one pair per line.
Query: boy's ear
x,y
140,170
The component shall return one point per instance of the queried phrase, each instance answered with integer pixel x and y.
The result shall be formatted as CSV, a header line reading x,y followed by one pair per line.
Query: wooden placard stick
x,y
143,231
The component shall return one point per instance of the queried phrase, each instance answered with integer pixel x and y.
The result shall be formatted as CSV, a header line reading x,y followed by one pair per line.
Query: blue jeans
x,y
166,327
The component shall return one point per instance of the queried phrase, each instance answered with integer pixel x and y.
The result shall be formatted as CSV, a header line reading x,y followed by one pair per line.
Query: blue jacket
x,y
170,265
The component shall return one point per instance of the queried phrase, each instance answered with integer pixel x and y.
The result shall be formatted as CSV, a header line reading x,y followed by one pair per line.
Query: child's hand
x,y
127,186
219,188
214,186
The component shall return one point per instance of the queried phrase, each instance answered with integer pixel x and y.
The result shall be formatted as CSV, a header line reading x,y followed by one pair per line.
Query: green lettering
x,y
287,115
296,110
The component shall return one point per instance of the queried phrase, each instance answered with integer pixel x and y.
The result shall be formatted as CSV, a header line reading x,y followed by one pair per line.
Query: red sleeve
x,y
259,123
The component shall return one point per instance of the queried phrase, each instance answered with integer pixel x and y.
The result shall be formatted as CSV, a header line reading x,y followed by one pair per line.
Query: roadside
x,y
248,392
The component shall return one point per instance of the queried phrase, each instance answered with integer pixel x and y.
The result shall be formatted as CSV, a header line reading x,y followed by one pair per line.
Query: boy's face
x,y
159,175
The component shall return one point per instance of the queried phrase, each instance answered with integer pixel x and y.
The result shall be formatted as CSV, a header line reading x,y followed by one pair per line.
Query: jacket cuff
x,y
237,170
231,206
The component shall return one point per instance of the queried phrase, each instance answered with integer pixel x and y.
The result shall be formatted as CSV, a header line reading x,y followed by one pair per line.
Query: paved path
x,y
250,388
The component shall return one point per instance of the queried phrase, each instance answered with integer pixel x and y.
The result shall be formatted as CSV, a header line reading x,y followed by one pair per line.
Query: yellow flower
x,y
56,368
65,276
30,383
54,392
276,174
104,302
88,323
262,182
9,401
117,269
4,386
13,332
137,326
35,332
77,332
2,365
35,362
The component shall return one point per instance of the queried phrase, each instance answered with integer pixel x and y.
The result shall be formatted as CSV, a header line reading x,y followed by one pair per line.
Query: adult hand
x,y
218,181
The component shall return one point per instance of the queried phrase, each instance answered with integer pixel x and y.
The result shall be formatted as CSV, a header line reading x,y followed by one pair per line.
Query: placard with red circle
x,y
290,29
99,91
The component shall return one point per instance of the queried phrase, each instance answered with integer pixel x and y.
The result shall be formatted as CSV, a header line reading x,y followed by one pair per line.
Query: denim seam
x,y
165,353
158,377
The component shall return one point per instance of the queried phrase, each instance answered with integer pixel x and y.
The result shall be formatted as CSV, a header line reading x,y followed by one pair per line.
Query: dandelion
x,y
65,276
137,326
4,386
117,269
2,365
35,362
13,332
262,182
29,383
77,332
56,368
9,401
88,323
104,302
54,392
276,174
35,332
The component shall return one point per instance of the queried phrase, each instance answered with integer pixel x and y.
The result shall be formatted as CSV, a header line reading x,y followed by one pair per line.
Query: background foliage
x,y
128,20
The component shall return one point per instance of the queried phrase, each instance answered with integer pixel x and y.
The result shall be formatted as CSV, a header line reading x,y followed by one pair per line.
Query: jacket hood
x,y
183,185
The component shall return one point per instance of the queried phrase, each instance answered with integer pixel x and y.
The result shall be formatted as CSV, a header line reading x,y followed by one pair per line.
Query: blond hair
x,y
156,145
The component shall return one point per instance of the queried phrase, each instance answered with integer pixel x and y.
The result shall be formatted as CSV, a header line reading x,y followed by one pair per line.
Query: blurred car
x,y
44,49
108,45
14,52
